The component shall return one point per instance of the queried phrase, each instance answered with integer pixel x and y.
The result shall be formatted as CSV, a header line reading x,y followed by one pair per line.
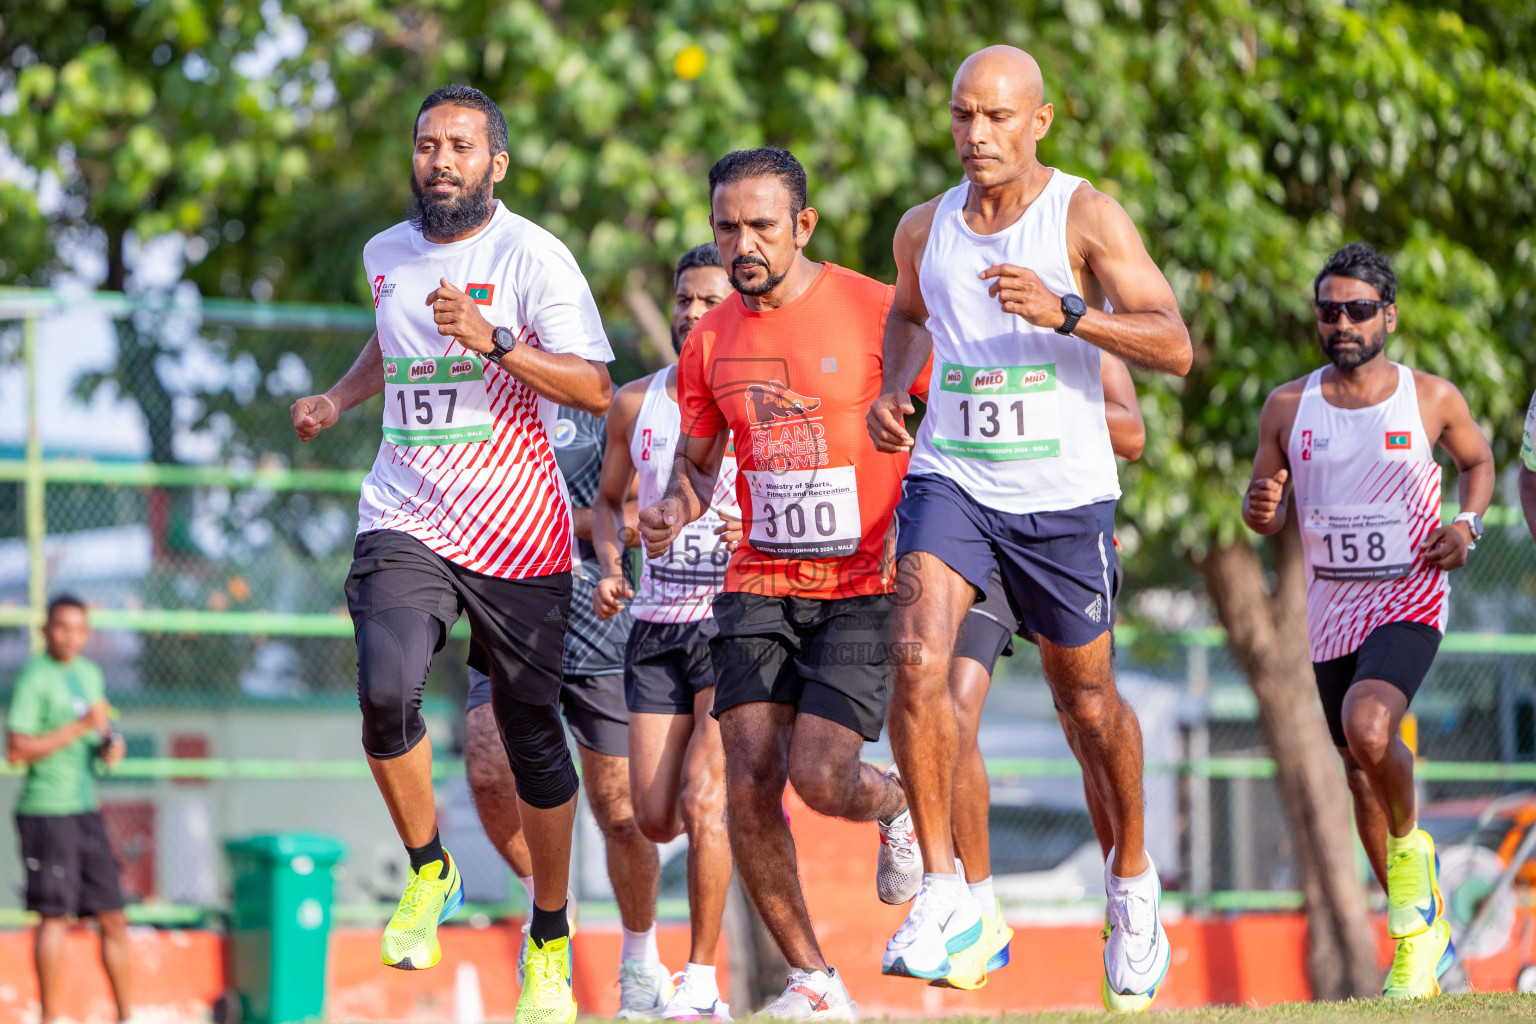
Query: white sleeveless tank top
x,y
1367,492
681,585
1015,412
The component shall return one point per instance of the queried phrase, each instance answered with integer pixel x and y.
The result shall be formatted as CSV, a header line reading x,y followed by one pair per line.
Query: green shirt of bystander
x,y
47,696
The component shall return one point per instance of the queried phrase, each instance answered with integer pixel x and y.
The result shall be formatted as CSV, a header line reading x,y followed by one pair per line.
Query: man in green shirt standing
x,y
58,726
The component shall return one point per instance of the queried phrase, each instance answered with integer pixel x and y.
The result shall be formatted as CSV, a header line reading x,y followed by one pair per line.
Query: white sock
x,y
1138,882
945,884
984,895
528,888
701,974
640,946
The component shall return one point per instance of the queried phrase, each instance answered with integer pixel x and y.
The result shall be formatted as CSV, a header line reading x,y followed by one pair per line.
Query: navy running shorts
x,y
1059,566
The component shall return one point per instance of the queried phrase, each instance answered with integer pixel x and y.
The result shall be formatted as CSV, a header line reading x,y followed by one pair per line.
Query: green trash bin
x,y
281,922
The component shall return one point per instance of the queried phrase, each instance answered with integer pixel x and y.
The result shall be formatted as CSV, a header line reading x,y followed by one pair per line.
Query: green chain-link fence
x,y
212,547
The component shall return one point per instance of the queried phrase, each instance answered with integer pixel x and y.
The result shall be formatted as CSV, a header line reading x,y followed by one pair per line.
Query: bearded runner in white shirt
x,y
485,323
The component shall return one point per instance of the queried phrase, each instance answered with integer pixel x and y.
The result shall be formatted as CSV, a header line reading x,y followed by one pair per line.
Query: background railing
x,y
147,465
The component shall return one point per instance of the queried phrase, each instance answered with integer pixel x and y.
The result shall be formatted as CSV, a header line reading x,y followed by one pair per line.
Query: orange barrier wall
x,y
1246,958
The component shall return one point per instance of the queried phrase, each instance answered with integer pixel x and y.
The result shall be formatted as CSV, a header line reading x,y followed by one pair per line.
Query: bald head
x,y
1004,72
998,113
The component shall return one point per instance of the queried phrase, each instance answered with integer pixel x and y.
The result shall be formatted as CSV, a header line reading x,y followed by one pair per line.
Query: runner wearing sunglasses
x,y
1357,436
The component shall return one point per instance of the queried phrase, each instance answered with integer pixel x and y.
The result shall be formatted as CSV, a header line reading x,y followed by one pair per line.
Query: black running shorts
x,y
667,664
1399,653
986,632
829,658
593,707
70,868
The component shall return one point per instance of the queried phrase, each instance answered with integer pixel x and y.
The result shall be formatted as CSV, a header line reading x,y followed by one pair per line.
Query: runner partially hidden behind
x,y
1356,441
676,763
485,325
1017,278
784,369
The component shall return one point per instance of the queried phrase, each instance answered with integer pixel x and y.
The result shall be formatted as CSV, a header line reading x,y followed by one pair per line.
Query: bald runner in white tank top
x,y
1014,441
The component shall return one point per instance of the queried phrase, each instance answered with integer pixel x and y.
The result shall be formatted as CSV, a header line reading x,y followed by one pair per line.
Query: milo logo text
x,y
954,376
422,369
462,368
1034,377
989,380
391,368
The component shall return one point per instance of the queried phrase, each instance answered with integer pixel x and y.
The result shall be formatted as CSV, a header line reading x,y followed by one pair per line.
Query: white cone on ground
x,y
468,1001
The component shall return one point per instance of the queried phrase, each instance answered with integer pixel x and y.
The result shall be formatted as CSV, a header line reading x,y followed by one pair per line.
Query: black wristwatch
x,y
1072,307
502,342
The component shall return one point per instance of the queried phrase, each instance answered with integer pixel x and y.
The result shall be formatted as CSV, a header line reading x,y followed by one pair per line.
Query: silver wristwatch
x,y
1474,526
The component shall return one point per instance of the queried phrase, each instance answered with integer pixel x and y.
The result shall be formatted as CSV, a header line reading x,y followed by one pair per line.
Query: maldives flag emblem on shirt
x,y
481,293
1399,441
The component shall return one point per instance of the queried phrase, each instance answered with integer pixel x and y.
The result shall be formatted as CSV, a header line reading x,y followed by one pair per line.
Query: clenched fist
x,y
659,526
1264,497
312,415
886,422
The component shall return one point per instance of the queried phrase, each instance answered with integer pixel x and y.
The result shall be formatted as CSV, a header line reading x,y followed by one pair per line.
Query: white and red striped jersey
x,y
466,465
681,585
1367,493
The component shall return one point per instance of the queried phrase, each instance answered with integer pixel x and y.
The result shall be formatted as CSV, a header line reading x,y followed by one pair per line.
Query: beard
x,y
768,283
1348,359
451,214
680,335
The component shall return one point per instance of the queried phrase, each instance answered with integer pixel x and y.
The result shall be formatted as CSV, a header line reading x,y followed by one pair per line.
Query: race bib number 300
x,y
809,513
997,413
1358,542
436,400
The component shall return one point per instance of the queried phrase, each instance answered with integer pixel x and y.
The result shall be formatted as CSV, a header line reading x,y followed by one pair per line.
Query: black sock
x,y
548,925
421,856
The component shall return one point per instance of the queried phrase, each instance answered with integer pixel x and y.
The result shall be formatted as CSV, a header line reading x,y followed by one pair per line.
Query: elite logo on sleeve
x,y
1399,440
481,293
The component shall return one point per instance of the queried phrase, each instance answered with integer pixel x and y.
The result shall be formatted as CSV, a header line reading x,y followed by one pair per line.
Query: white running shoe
x,y
899,869
572,916
1136,954
644,990
813,995
943,920
697,998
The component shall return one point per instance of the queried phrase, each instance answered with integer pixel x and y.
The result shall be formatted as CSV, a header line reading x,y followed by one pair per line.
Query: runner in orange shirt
x,y
802,656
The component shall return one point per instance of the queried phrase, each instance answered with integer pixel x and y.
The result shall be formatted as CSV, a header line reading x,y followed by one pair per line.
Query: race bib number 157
x,y
435,400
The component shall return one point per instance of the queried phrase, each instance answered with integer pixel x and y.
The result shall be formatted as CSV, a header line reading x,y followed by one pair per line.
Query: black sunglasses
x,y
1358,310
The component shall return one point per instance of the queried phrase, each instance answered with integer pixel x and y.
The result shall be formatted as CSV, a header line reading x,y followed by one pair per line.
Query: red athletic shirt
x,y
793,384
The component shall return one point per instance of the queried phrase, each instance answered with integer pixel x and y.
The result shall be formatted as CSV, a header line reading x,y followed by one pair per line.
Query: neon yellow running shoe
x,y
1419,962
1414,902
546,996
432,896
969,968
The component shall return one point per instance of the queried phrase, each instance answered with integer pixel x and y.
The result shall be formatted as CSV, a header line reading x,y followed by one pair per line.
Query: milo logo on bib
x,y
462,368
997,413
989,380
421,369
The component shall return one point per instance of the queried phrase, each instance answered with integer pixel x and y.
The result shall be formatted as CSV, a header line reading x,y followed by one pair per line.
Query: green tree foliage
x,y
1246,139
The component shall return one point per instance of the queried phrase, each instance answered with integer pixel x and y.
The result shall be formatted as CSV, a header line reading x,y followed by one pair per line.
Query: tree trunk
x,y
1267,634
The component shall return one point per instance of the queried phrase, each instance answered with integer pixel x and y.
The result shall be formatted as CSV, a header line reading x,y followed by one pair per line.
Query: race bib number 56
x,y
436,400
1358,542
996,413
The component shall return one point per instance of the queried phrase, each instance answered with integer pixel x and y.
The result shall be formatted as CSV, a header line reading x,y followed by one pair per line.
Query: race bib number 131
x,y
997,413
436,400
